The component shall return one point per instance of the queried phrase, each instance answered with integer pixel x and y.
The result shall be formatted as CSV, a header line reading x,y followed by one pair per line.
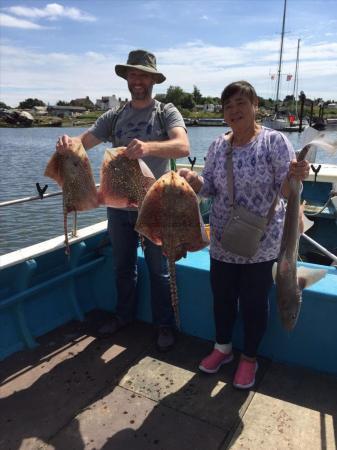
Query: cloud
x,y
52,11
53,76
13,22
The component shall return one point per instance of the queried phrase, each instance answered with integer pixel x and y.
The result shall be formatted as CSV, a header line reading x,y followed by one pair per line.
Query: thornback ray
x,y
123,181
289,285
72,172
170,217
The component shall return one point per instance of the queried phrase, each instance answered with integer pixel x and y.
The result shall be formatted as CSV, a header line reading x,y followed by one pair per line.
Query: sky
x,y
68,49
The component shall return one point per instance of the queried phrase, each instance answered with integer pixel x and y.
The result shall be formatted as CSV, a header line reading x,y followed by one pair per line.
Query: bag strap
x,y
230,181
161,118
114,121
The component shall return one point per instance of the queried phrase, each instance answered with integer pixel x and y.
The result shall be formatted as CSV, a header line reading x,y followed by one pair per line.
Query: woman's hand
x,y
194,180
298,169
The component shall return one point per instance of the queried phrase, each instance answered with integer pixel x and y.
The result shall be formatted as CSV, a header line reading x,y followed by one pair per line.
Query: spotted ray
x,y
72,172
124,182
170,217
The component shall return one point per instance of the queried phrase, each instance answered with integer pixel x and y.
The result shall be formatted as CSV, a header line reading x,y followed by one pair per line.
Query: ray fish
x,y
169,216
72,172
123,181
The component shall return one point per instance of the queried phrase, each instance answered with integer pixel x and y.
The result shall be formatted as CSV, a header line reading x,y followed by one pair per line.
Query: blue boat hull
x,y
39,295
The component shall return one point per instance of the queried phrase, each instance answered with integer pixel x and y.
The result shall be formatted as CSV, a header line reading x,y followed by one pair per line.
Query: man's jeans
x,y
125,240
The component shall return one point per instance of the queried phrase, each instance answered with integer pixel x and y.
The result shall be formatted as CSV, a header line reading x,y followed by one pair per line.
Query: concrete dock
x,y
75,391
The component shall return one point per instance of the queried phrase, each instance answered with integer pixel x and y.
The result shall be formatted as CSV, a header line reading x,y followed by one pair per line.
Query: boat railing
x,y
41,196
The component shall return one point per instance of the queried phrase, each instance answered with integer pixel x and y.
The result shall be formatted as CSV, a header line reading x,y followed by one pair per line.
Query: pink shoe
x,y
213,362
245,374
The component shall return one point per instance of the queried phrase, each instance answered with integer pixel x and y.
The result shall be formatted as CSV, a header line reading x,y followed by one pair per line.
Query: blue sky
x,y
68,49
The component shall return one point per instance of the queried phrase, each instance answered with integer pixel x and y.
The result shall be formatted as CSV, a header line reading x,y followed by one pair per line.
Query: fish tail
x,y
274,271
174,291
65,227
306,277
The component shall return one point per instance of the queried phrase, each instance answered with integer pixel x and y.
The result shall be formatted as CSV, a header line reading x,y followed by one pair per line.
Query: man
x,y
155,134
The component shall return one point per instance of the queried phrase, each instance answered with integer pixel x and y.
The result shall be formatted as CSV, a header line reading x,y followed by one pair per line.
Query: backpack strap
x,y
114,121
161,118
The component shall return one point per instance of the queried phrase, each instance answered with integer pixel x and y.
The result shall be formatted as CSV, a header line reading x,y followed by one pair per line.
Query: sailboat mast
x,y
295,90
280,61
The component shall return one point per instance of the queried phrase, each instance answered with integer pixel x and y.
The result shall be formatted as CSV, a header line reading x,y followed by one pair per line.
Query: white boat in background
x,y
284,123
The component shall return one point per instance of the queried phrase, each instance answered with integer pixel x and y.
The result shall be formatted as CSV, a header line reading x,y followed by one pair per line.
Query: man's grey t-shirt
x,y
142,124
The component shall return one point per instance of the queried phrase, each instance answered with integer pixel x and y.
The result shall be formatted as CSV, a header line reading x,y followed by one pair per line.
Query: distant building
x,y
39,110
66,111
332,106
208,107
108,102
84,102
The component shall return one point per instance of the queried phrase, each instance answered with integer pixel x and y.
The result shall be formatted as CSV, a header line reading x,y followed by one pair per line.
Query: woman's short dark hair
x,y
241,87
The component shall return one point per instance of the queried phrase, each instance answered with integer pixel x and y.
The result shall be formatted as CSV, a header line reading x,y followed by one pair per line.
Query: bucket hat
x,y
140,60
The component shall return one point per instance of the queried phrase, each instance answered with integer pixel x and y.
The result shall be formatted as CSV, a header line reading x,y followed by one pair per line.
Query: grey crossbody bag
x,y
244,229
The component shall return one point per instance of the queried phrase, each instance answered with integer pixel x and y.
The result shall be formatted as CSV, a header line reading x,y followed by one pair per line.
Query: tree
x,y
188,101
288,98
175,95
197,97
62,103
208,101
4,106
261,101
29,103
161,98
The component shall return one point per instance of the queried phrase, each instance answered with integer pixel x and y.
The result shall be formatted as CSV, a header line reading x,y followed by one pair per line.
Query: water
x,y
24,153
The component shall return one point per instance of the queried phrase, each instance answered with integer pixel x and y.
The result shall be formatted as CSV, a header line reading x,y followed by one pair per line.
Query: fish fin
x,y
54,169
274,271
146,171
330,147
306,277
307,223
309,134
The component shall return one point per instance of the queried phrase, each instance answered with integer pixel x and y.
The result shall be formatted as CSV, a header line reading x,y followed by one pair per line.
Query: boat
x,y
283,120
63,387
205,122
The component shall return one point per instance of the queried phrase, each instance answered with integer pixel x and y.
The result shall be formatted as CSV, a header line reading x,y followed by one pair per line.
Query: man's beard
x,y
144,94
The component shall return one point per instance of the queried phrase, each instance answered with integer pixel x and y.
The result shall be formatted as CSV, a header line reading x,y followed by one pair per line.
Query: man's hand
x,y
137,149
64,143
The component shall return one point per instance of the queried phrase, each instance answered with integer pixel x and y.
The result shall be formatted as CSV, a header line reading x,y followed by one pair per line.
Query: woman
x,y
263,160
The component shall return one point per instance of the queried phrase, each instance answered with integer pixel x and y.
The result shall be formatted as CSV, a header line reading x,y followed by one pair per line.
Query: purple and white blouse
x,y
259,169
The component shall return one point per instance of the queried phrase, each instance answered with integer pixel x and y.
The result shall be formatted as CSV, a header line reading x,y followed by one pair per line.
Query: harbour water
x,y
24,153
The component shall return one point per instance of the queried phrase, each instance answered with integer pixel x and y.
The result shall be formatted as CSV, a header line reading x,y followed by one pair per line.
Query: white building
x,y
107,102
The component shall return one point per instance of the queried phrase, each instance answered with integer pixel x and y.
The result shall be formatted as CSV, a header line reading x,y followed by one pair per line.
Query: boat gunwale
x,y
33,251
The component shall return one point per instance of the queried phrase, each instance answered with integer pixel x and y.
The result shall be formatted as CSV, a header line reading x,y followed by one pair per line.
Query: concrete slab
x,y
123,420
175,381
43,389
293,409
